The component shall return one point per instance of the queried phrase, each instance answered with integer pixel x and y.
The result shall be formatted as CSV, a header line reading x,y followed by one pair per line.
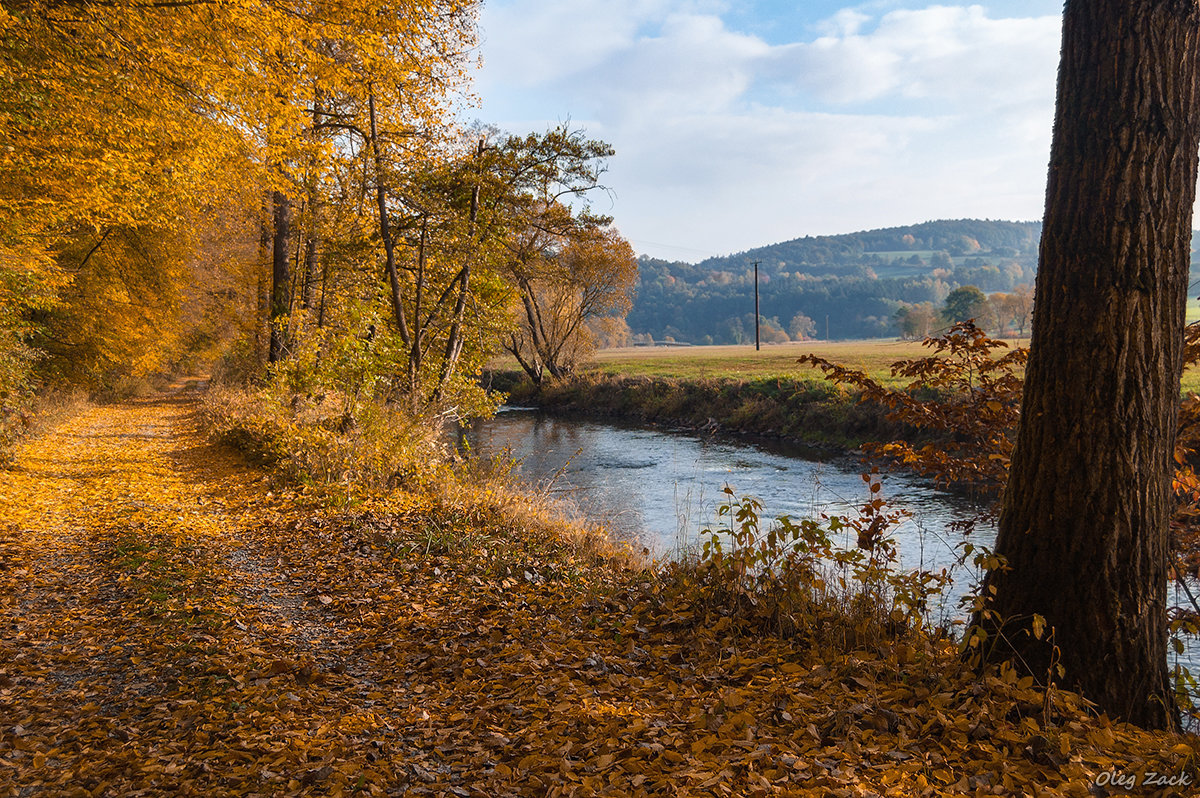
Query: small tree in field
x,y
801,327
916,321
964,303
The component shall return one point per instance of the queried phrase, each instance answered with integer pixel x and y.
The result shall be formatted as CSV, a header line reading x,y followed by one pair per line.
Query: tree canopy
x,y
242,183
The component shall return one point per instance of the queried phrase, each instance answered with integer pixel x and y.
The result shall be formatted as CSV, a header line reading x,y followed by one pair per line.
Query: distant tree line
x,y
878,283
863,285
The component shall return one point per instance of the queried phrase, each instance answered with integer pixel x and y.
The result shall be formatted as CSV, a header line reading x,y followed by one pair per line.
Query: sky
x,y
741,123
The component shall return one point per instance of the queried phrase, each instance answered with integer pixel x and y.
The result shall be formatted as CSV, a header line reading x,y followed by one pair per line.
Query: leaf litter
x,y
175,625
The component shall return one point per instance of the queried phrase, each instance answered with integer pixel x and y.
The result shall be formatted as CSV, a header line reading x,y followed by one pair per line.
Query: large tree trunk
x,y
281,284
1085,514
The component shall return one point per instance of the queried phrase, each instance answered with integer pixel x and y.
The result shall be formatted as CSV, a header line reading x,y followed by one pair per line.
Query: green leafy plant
x,y
795,575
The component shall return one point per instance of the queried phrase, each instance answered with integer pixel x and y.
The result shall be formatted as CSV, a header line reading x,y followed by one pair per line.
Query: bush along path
x,y
172,625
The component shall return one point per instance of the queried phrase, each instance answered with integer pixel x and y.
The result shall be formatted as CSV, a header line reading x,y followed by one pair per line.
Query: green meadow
x,y
875,357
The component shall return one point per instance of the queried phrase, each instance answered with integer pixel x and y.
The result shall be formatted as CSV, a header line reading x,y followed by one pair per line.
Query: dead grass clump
x,y
326,440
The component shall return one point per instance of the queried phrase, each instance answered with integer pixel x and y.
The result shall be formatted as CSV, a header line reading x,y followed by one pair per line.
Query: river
x,y
659,489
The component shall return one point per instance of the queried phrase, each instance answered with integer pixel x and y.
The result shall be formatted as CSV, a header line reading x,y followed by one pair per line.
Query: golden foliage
x,y
127,127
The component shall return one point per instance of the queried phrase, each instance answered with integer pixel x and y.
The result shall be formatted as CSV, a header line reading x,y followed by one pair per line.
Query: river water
x,y
659,489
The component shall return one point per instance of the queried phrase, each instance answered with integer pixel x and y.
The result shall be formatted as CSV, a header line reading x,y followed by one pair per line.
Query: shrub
x,y
792,577
327,438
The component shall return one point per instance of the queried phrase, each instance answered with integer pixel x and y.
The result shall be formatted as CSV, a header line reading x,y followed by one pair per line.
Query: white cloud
x,y
942,53
692,65
846,22
725,142
725,184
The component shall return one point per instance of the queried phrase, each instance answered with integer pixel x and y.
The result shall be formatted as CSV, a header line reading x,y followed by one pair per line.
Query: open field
x,y
743,362
776,360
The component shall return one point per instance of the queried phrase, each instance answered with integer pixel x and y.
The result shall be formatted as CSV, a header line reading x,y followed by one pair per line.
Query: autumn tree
x,y
801,327
406,287
589,277
100,187
1021,307
610,332
564,262
440,260
772,332
253,103
1084,518
1012,311
916,321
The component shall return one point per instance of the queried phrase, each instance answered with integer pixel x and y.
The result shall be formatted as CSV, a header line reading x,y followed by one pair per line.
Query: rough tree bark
x,y
281,284
1085,514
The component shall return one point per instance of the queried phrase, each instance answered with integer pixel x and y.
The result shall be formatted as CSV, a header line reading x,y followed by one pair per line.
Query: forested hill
x,y
892,247
852,284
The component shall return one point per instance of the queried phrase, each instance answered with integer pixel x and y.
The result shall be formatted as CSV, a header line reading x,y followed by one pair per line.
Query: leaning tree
x,y
1084,520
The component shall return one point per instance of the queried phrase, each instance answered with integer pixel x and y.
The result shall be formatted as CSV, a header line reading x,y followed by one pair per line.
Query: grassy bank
x,y
804,410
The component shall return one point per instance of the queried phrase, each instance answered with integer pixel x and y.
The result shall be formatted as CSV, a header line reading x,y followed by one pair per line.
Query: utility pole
x,y
757,345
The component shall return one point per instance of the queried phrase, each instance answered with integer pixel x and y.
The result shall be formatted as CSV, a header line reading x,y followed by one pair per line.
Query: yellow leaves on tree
x,y
156,117
588,279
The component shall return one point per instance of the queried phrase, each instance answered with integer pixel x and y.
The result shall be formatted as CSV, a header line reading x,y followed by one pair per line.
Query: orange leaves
x,y
422,674
963,402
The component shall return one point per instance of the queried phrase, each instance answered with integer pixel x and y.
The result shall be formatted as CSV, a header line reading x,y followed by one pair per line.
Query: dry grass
x,y
774,360
374,457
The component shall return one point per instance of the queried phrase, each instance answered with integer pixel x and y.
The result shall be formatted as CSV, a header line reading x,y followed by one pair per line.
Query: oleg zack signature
x,y
1129,781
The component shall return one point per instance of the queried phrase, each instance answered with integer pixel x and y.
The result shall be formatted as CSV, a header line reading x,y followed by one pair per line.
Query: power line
x,y
757,346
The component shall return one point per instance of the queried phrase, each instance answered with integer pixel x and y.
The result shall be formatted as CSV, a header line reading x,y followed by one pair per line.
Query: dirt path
x,y
170,626
149,633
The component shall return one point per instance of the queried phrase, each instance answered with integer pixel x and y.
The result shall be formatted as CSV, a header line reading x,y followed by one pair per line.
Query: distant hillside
x,y
849,285
894,246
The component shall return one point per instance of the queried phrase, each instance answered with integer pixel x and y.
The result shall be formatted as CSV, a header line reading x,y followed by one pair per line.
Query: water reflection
x,y
660,489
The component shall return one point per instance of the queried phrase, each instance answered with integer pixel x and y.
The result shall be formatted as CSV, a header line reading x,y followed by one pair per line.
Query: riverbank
x,y
808,411
176,622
